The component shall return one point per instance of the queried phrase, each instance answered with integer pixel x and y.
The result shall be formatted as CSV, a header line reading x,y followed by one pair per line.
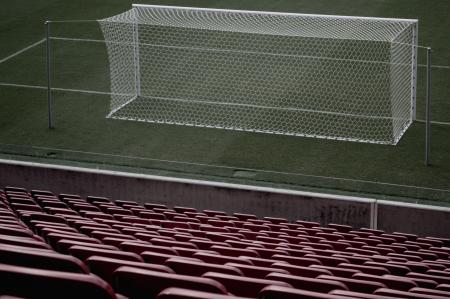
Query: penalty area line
x,y
21,51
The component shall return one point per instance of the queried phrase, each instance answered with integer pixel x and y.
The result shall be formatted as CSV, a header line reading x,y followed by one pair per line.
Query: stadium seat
x,y
243,286
195,268
40,258
38,283
84,252
179,293
104,267
140,283
306,283
281,292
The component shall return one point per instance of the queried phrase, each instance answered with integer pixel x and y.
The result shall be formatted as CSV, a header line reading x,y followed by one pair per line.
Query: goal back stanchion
x,y
334,77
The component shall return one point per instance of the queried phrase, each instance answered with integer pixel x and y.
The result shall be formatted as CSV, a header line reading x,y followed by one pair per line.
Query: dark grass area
x,y
81,125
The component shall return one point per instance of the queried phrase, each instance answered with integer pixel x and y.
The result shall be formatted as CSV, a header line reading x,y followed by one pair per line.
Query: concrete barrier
x,y
261,201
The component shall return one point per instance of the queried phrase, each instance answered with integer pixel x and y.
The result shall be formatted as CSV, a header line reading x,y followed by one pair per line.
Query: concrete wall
x,y
226,197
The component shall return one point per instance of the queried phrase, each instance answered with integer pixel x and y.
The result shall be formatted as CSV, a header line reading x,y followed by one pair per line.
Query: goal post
x,y
323,76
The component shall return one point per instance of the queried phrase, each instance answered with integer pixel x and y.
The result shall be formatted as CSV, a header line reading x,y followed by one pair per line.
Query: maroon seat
x,y
256,271
351,294
138,248
430,292
179,293
243,286
391,281
374,270
139,283
438,279
53,238
37,283
403,294
235,252
338,271
84,252
279,292
195,268
23,241
63,245
307,283
41,259
105,266
298,261
220,259
443,287
356,285
18,232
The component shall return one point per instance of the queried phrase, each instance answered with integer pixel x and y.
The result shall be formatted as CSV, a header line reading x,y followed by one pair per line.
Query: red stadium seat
x,y
279,292
84,252
307,283
37,283
139,283
38,258
179,293
243,286
195,268
104,267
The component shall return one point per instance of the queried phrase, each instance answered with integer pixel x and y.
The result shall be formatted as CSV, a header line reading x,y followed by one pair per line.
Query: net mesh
x,y
345,78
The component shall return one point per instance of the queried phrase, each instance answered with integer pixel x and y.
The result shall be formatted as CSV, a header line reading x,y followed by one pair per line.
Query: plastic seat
x,y
374,270
438,279
63,245
138,248
23,241
37,283
351,294
84,252
235,252
255,271
391,281
192,267
307,283
220,259
279,292
430,292
338,271
53,238
41,259
355,285
139,283
403,294
298,261
179,293
18,232
104,267
243,286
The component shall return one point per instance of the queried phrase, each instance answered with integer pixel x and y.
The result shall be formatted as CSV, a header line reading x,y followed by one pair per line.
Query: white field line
x,y
21,51
109,93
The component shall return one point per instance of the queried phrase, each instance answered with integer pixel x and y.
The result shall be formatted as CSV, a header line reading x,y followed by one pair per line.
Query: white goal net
x,y
336,77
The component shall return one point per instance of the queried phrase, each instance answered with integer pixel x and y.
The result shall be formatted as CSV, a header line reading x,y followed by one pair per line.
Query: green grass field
x,y
83,136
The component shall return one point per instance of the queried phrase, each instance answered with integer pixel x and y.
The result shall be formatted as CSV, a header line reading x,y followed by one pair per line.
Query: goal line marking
x,y
23,50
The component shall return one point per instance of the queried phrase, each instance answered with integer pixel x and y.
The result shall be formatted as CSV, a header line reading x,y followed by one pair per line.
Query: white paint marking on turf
x,y
21,51
61,89
109,93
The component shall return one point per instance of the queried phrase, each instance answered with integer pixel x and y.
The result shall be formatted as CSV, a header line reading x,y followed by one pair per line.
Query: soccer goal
x,y
324,76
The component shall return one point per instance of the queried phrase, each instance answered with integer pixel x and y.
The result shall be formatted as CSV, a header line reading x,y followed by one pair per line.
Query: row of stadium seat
x,y
71,247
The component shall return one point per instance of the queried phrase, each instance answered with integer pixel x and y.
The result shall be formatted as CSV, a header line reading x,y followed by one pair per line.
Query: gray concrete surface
x,y
231,198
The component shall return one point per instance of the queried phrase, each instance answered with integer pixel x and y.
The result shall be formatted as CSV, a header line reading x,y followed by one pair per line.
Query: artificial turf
x,y
82,133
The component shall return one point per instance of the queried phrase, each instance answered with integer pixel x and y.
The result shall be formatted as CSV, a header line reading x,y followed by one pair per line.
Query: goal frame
x,y
135,22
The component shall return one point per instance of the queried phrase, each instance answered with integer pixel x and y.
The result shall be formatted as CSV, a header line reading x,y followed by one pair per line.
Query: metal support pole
x,y
48,70
428,111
